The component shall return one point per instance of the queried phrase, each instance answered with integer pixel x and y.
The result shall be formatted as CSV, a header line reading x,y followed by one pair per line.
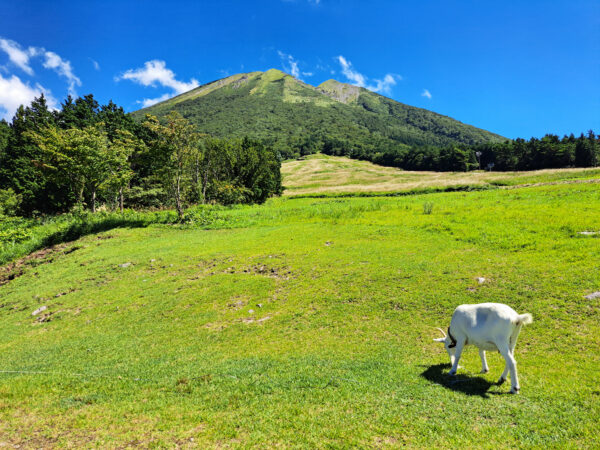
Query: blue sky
x,y
517,68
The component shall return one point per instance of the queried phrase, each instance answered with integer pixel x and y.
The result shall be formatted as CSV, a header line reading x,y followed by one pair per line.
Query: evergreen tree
x,y
21,169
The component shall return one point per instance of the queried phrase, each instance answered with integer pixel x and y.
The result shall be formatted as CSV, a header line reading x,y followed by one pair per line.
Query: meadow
x,y
325,175
308,322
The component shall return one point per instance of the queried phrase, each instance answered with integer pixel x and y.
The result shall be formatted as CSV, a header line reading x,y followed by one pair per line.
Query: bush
x,y
9,202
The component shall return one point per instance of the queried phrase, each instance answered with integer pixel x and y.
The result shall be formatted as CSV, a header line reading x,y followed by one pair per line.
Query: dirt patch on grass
x,y
253,320
17,268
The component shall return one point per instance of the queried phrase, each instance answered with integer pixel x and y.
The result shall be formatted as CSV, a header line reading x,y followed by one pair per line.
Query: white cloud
x,y
63,68
385,85
153,101
95,63
426,93
18,56
22,59
155,73
289,64
14,92
358,79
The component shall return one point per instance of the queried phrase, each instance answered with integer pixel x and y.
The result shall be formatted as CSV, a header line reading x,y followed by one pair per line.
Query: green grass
x,y
338,354
20,236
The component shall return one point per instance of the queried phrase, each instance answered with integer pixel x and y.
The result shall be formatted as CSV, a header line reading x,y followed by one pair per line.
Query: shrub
x,y
9,202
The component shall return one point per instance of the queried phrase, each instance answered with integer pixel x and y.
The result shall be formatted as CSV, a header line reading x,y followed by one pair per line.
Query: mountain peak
x,y
294,117
274,75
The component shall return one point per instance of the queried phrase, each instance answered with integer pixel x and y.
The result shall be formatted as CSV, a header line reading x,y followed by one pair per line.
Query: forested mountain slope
x,y
297,118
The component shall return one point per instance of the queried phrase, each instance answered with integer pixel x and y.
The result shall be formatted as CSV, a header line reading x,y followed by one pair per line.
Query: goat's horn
x,y
442,331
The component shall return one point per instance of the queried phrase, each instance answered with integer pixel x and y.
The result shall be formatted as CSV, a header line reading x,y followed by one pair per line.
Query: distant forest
x,y
549,152
86,155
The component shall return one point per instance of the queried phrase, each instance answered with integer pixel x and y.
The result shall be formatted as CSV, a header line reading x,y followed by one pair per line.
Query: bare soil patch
x,y
17,268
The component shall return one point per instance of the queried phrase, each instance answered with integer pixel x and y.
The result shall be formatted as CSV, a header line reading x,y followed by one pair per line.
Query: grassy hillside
x,y
322,174
298,118
308,323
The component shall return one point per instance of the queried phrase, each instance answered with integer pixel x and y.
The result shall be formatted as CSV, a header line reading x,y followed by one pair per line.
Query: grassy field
x,y
322,174
309,323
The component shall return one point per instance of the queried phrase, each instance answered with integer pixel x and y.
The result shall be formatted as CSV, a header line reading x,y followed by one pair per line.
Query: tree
x,y
585,152
119,155
239,171
77,158
259,170
5,132
175,142
457,159
20,168
81,113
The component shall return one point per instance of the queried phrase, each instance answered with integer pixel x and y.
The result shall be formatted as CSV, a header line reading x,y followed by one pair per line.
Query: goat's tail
x,y
524,319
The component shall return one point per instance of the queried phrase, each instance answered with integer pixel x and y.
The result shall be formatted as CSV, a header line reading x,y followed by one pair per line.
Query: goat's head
x,y
449,344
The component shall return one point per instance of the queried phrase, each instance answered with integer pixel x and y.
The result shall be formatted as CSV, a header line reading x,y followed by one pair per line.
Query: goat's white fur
x,y
489,326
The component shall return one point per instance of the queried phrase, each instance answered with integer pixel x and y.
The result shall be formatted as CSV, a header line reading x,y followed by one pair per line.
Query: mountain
x,y
297,118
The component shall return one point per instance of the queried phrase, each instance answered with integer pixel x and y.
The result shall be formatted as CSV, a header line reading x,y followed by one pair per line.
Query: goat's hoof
x,y
501,381
484,370
515,390
452,373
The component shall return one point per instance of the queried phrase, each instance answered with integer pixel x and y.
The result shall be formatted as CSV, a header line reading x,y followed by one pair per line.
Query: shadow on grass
x,y
68,229
467,384
82,228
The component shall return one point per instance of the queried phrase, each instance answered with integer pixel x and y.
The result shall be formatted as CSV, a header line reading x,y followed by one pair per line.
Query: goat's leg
x,y
513,339
484,364
512,345
502,378
459,348
512,367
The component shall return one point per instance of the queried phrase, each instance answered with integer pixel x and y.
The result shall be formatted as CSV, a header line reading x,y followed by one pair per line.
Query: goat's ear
x,y
440,340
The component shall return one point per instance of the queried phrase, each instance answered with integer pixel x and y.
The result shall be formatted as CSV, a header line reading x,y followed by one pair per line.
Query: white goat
x,y
489,326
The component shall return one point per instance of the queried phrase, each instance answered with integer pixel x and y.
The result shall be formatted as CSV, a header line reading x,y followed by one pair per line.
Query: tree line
x,y
85,154
549,152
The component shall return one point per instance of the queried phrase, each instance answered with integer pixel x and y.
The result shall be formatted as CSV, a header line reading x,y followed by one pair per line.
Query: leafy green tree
x,y
175,142
239,171
259,170
119,155
77,158
458,159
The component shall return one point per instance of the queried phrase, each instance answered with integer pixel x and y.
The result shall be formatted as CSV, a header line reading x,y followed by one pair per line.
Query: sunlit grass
x,y
308,323
322,174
